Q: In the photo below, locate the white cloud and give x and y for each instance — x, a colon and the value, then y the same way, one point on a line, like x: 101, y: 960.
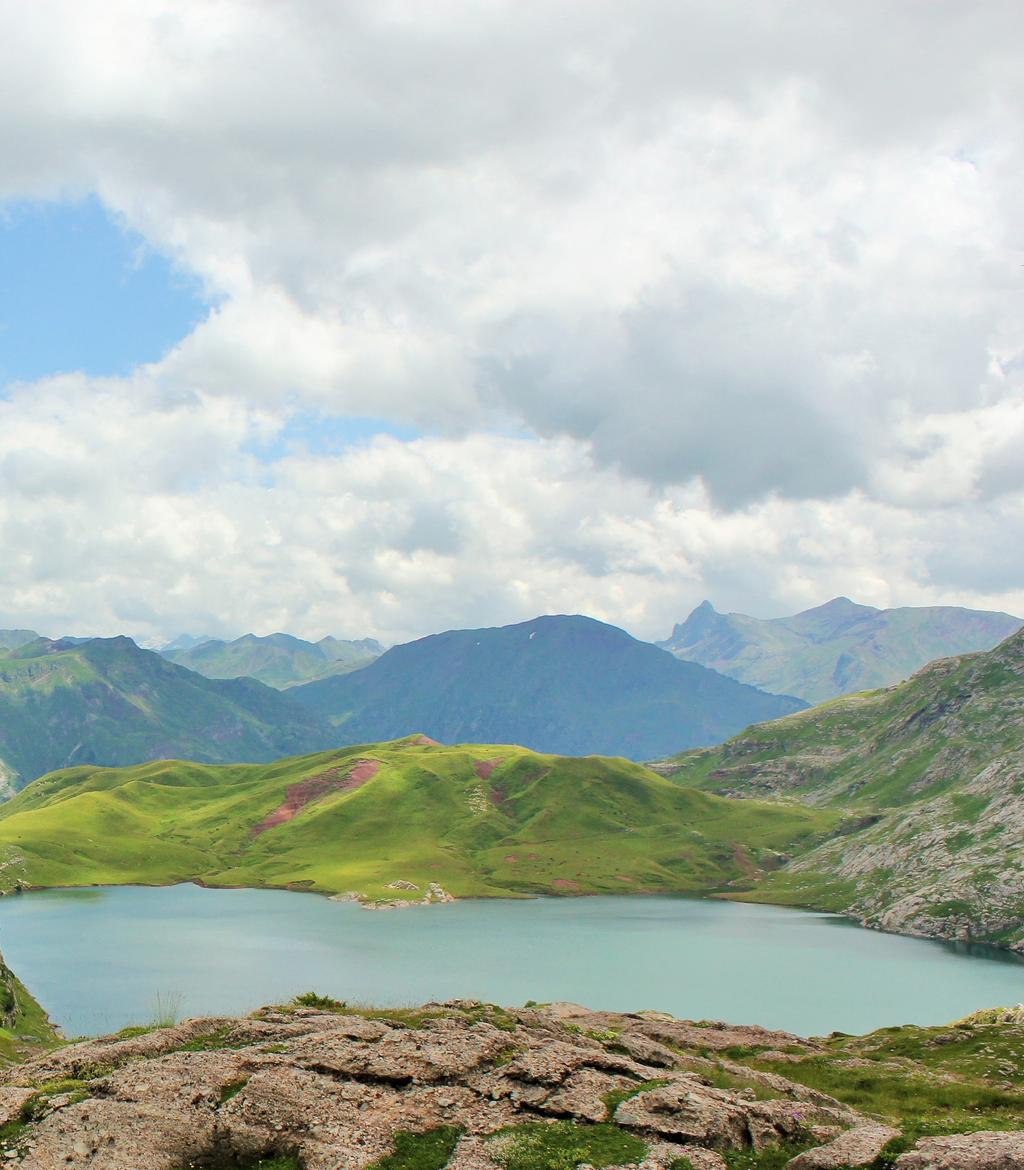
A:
x: 744, y: 282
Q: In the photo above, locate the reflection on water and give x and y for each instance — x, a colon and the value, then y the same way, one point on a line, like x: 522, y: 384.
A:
x: 82, y: 894
x: 99, y: 958
x: 971, y: 950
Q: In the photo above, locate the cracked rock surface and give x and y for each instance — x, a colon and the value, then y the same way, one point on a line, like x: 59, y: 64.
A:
x: 333, y: 1088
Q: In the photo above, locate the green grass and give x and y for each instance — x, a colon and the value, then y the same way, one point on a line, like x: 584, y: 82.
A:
x: 232, y: 1090
x: 428, y: 1150
x: 27, y: 1028
x: 768, y: 1158
x: 563, y: 1145
x: 538, y: 824
x: 615, y: 1098
x: 952, y: 1079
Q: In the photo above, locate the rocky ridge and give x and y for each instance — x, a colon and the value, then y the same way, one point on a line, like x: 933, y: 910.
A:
x: 322, y: 1087
x: 930, y: 774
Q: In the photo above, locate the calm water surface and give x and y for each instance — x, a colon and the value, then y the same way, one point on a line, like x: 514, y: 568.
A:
x: 97, y: 959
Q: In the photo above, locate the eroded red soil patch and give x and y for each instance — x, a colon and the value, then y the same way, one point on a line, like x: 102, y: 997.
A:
x: 484, y: 768
x: 565, y: 884
x: 512, y: 857
x: 745, y: 863
x: 425, y: 741
x: 297, y: 796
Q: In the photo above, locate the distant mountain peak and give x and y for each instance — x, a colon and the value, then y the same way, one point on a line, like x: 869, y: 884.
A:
x: 840, y: 606
x: 835, y: 648
x: 279, y: 660
x: 560, y: 683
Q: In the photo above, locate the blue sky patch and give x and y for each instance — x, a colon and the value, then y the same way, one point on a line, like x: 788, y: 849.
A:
x: 326, y: 434
x: 79, y: 291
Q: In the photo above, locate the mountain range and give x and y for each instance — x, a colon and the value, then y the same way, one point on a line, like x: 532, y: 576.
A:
x: 107, y: 701
x: 929, y: 777
x: 279, y: 660
x: 568, y: 685
x: 836, y: 648
x: 902, y: 806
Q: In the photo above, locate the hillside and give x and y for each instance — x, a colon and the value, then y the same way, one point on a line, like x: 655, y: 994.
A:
x: 568, y: 685
x: 279, y: 660
x: 12, y: 639
x: 835, y: 649
x: 931, y: 776
x: 107, y: 701
x: 477, y: 820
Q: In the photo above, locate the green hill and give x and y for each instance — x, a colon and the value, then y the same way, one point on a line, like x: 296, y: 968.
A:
x: 568, y: 685
x: 279, y: 660
x: 484, y: 820
x: 835, y: 649
x: 105, y: 701
x: 930, y: 775
x: 12, y: 639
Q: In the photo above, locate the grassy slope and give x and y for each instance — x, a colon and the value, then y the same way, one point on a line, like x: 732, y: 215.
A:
x: 24, y: 1026
x: 929, y: 777
x: 882, y: 748
x: 539, y: 823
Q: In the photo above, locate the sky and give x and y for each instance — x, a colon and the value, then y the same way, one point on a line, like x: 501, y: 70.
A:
x: 380, y: 319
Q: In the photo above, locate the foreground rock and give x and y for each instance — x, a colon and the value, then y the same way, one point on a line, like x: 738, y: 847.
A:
x: 966, y: 1151
x: 857, y: 1147
x: 471, y: 1086
x: 331, y: 1088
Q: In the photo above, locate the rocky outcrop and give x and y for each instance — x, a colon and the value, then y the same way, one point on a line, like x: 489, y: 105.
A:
x: 434, y: 895
x: 335, y: 1087
x: 859, y: 1146
x: 966, y: 1151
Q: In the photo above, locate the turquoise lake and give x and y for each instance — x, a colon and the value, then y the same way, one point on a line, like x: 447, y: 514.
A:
x: 98, y: 959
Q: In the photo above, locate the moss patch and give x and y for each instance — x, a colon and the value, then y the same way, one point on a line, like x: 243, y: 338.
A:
x: 563, y: 1145
x: 429, y: 1150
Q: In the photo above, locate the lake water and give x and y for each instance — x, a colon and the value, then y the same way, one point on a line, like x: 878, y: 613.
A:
x: 98, y: 959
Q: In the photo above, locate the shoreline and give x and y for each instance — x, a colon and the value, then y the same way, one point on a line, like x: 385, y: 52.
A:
x: 983, y: 947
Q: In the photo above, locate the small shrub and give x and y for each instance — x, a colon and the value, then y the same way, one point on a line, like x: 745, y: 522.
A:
x: 324, y: 1002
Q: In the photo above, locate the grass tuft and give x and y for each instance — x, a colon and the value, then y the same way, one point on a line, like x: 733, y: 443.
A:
x: 563, y: 1145
x: 428, y: 1150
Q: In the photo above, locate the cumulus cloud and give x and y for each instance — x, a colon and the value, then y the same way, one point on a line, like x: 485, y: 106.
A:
x: 697, y: 297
